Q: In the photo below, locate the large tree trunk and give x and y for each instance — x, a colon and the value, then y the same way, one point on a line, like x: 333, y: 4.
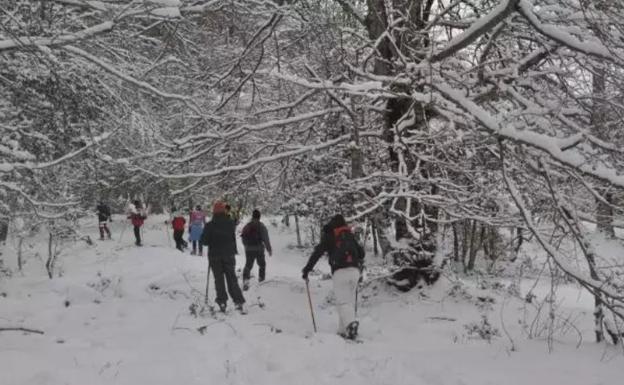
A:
x: 416, y: 262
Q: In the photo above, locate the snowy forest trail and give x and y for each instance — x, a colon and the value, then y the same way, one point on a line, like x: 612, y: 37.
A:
x: 120, y: 314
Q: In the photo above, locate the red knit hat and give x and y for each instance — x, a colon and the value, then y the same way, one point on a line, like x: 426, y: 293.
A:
x: 218, y: 207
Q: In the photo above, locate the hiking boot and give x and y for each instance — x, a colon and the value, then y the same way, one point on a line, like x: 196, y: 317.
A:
x: 245, y: 284
x: 241, y: 308
x: 222, y: 307
x: 352, y: 330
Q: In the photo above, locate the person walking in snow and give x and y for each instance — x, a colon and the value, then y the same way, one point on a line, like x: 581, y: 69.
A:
x: 255, y: 238
x: 219, y: 236
x: 346, y: 259
x: 178, y: 223
x: 196, y: 227
x: 137, y: 217
x: 104, y: 216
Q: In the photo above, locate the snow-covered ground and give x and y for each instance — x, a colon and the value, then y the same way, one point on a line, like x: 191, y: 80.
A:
x: 119, y: 314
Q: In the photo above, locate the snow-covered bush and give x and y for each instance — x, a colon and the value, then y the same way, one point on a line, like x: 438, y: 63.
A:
x: 482, y: 329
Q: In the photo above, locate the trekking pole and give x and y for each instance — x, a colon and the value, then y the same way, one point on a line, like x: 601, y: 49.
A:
x: 310, y: 303
x: 207, y: 283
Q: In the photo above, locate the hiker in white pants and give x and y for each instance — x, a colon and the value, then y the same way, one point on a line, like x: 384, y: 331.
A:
x: 345, y: 283
x: 346, y: 259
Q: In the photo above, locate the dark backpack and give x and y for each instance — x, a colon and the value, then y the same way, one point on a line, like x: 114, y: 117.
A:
x: 347, y: 251
x: 251, y: 234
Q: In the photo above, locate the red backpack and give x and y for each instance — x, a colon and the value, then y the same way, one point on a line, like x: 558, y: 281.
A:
x: 251, y: 234
x: 346, y: 252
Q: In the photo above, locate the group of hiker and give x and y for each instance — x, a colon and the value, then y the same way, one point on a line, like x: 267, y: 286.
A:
x: 219, y: 236
x: 135, y: 212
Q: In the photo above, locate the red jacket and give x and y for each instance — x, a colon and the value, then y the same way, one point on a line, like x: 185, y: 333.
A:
x: 137, y: 219
x: 178, y: 223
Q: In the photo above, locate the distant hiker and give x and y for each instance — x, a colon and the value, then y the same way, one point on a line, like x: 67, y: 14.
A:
x: 137, y: 217
x: 196, y: 227
x: 178, y: 223
x: 104, y: 215
x: 346, y: 259
x: 220, y: 238
x: 255, y: 239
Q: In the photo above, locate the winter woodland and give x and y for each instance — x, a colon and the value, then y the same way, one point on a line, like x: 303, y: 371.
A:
x: 476, y: 146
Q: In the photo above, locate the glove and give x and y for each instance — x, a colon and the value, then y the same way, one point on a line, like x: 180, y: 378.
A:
x: 304, y: 274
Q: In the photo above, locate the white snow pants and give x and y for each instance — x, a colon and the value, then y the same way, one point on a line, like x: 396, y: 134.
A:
x: 345, y: 284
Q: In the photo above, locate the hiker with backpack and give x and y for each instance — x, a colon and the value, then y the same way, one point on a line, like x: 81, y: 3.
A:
x: 196, y: 227
x: 346, y: 259
x: 255, y: 238
x: 219, y: 235
x: 104, y: 215
x: 178, y: 223
x: 137, y: 216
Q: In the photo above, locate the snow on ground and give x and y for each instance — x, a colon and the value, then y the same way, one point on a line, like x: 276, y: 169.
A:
x: 120, y: 315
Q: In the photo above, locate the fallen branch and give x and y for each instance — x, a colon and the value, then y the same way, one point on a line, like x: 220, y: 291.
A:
x: 21, y: 329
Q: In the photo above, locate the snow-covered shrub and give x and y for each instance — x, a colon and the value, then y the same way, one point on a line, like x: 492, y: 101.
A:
x: 483, y: 329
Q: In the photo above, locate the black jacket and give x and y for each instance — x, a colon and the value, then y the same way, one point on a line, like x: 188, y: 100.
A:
x: 103, y: 212
x: 328, y: 245
x: 219, y: 236
x: 264, y: 237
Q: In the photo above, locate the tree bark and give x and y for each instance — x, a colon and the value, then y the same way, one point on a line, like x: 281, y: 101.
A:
x: 20, y: 262
x: 297, y: 229
x: 51, y: 257
x: 404, y: 34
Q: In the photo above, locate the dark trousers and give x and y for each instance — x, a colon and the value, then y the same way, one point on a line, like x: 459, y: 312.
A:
x: 104, y: 230
x: 137, y: 234
x: 195, y: 244
x: 178, y: 238
x: 251, y: 256
x: 223, y: 272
